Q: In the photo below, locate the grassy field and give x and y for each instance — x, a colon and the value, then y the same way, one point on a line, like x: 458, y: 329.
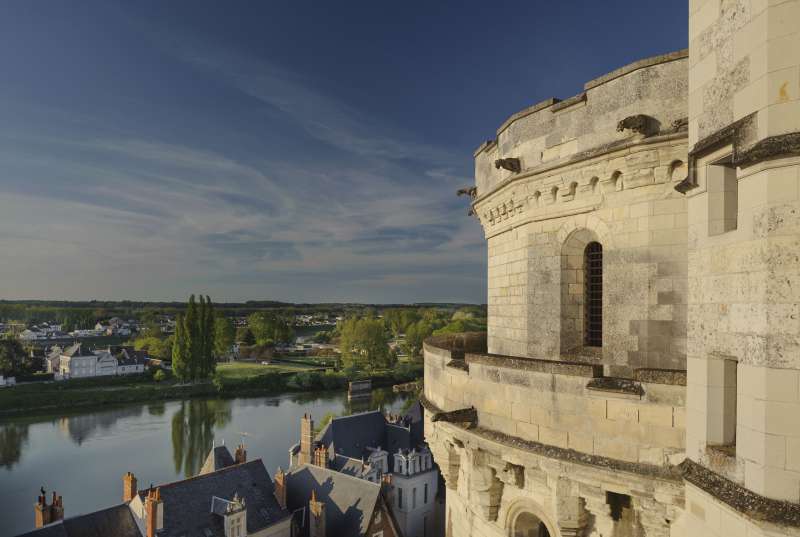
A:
x: 242, y: 370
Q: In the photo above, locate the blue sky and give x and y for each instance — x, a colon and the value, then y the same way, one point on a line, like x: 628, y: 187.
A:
x: 299, y: 151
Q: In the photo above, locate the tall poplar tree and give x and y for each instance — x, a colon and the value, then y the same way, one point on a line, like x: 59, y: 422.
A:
x: 180, y: 364
x: 192, y: 335
x: 210, y: 333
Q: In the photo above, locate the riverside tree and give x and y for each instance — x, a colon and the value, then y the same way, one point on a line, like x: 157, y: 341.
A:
x: 364, y: 344
x: 193, y: 356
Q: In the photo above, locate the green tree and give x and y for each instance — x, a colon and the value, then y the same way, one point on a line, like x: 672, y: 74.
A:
x: 13, y: 360
x: 363, y: 344
x: 224, y: 335
x: 192, y: 334
x: 415, y: 336
x: 245, y: 335
x: 208, y: 337
x: 155, y: 346
x: 180, y: 354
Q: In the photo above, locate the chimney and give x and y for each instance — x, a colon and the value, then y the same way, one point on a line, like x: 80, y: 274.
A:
x: 306, y: 439
x: 128, y: 487
x: 316, y: 517
x: 154, y: 511
x: 56, y: 508
x: 280, y: 487
x: 45, y: 514
x: 321, y: 456
x: 41, y: 511
x: 241, y: 454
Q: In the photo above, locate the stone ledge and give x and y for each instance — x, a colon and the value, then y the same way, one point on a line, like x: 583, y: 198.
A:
x: 741, y: 499
x: 673, y: 377
x: 566, y: 103
x: 457, y: 363
x: 556, y: 367
x: 616, y: 385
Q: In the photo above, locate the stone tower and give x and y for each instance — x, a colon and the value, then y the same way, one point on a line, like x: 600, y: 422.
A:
x: 743, y: 350
x: 316, y: 517
x: 306, y: 440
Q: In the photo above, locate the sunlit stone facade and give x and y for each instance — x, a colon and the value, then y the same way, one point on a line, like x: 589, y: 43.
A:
x: 641, y: 371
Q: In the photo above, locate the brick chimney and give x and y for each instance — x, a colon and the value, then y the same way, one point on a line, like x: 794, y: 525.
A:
x: 280, y: 487
x: 306, y: 439
x: 129, y: 489
x: 154, y: 512
x: 45, y: 513
x: 316, y: 517
x: 321, y: 456
x: 240, y: 455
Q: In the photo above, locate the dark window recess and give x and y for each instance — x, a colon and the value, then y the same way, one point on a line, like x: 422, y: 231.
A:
x: 593, y: 306
x: 617, y: 503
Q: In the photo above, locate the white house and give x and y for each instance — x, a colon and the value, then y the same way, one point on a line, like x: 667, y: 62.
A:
x: 53, y: 358
x: 77, y: 363
x: 131, y: 361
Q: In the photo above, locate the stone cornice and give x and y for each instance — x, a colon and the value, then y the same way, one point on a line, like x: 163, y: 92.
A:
x: 741, y: 499
x: 598, y: 153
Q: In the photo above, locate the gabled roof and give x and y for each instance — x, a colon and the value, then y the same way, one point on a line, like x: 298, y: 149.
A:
x: 352, y: 435
x: 349, y: 501
x: 187, y: 503
x: 218, y: 458
x: 117, y: 521
x: 75, y: 350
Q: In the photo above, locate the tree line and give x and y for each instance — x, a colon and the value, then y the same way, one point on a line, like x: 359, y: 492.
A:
x: 193, y: 348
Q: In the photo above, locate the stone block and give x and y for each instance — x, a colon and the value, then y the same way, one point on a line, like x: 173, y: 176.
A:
x: 622, y: 410
x: 656, y: 415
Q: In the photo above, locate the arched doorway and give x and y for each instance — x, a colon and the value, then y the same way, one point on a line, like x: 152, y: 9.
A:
x: 528, y: 525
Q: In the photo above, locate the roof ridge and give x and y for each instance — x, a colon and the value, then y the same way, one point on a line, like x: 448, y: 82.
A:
x: 347, y: 476
x: 215, y: 472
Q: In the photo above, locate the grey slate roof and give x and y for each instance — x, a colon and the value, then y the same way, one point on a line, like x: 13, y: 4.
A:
x: 187, y: 503
x: 352, y: 435
x: 117, y: 521
x: 349, y: 501
x: 75, y: 350
x: 218, y: 458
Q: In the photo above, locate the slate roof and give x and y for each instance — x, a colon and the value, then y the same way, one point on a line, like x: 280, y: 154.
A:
x: 117, y: 521
x: 75, y: 350
x: 349, y: 501
x: 187, y: 503
x: 346, y: 465
x: 352, y: 435
x: 218, y: 458
x: 129, y: 356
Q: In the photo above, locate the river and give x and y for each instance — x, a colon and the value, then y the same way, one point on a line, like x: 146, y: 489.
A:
x: 83, y: 455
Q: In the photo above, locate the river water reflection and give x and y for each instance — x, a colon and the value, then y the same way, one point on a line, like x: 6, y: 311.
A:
x: 84, y: 455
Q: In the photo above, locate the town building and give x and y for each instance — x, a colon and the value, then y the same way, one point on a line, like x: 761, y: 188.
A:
x: 236, y: 499
x: 131, y: 361
x: 384, y: 450
x: 76, y: 361
x: 232, y: 497
x: 640, y: 371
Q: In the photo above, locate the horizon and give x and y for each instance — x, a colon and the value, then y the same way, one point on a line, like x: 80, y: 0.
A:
x: 309, y: 153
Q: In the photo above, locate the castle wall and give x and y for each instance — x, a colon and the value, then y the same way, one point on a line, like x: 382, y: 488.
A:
x: 612, y: 186
x: 743, y: 347
x: 546, y: 443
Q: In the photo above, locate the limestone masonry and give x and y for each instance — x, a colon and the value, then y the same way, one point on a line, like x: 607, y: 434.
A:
x: 641, y: 371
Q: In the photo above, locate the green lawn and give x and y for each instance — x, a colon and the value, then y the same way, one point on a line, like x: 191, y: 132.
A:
x: 243, y: 370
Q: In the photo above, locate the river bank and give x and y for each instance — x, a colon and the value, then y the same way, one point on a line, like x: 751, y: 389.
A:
x: 98, y: 392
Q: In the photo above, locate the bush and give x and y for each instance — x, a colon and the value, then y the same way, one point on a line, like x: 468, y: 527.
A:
x: 160, y: 376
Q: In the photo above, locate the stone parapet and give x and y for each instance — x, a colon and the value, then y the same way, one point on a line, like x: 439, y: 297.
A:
x: 566, y: 405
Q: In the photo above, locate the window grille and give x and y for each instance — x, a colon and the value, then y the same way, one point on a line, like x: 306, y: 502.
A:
x: 593, y: 303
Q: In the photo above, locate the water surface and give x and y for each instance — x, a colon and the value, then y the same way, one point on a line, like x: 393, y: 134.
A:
x: 83, y: 455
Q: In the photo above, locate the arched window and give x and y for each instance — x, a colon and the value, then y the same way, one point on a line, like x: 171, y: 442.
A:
x: 528, y: 525
x: 593, y: 299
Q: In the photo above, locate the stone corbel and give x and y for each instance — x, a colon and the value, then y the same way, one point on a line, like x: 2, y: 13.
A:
x: 573, y: 518
x: 485, y: 487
